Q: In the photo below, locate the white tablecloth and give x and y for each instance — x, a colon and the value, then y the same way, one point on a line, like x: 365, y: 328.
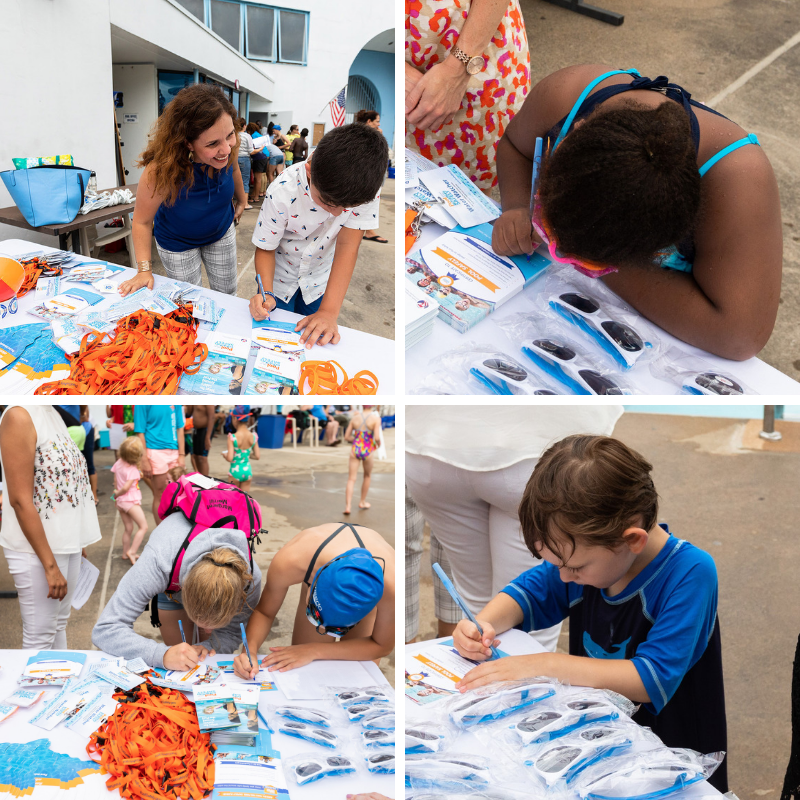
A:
x: 355, y: 351
x: 17, y: 729
x: 754, y: 373
x: 514, y: 643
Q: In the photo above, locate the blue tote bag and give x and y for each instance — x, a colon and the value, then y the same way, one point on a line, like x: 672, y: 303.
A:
x: 47, y: 195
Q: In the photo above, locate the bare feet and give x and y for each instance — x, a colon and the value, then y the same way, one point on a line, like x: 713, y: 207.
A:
x: 347, y: 511
x: 364, y: 505
x: 124, y: 557
x: 133, y: 557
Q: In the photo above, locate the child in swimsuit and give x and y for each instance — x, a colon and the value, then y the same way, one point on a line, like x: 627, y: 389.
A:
x: 364, y: 431
x: 674, y: 205
x: 242, y: 446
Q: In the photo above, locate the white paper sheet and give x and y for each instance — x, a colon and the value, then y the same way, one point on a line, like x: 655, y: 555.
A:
x: 87, y: 578
x: 311, y: 682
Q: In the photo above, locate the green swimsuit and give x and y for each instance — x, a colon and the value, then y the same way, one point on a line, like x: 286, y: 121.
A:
x: 240, y: 466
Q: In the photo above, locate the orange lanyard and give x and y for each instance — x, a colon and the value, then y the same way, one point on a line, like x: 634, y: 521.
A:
x: 320, y: 377
x: 151, y: 746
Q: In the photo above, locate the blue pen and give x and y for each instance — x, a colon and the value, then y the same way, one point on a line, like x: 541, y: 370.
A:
x: 183, y: 635
x: 266, y: 724
x: 244, y: 642
x: 448, y: 584
x: 537, y: 163
x: 261, y: 288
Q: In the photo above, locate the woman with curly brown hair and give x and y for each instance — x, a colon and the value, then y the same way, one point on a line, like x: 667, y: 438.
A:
x: 190, y: 192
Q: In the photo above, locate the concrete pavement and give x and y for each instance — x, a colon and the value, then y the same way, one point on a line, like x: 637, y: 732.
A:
x: 295, y: 488
x: 740, y: 505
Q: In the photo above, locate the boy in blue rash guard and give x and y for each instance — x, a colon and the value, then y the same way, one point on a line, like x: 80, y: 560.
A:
x: 641, y: 603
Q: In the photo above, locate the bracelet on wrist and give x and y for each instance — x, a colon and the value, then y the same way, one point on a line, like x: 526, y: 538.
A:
x: 144, y: 266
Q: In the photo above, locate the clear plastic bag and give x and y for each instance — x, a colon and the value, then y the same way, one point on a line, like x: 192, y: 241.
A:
x: 306, y: 768
x: 497, y: 700
x: 554, y: 350
x: 693, y: 375
x: 379, y: 719
x: 568, y: 712
x: 448, y: 772
x: 478, y: 369
x: 621, y: 334
x: 374, y: 695
x: 556, y: 765
x: 426, y: 737
x: 648, y: 775
x: 311, y: 716
x: 377, y: 739
x: 310, y: 733
x: 380, y: 763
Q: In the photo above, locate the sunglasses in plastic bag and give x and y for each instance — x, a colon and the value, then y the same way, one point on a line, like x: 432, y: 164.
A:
x: 480, y: 707
x: 505, y: 376
x: 314, y: 769
x: 300, y: 730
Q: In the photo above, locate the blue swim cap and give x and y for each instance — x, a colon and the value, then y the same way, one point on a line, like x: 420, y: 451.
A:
x: 347, y: 588
x: 241, y: 412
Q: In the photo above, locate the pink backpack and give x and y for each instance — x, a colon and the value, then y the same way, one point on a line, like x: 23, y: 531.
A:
x: 223, y: 506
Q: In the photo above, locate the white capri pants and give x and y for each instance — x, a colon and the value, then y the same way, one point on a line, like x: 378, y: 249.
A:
x: 44, y: 620
x: 474, y: 517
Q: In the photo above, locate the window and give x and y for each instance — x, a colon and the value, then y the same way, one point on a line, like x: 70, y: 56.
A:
x: 195, y: 7
x: 260, y: 32
x: 226, y: 21
x: 292, y: 37
x: 169, y: 84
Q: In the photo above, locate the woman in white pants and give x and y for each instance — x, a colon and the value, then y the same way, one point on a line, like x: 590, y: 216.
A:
x: 48, y: 518
x: 466, y: 468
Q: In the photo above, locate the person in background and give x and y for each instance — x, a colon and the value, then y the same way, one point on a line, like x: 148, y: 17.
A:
x: 332, y: 428
x: 161, y: 430
x: 242, y: 446
x: 190, y: 193
x: 128, y: 496
x: 49, y: 517
x: 120, y: 425
x: 294, y: 133
x: 248, y: 149
x: 373, y: 120
x: 203, y: 418
x: 299, y: 148
x: 88, y: 450
x: 259, y: 162
x: 467, y: 73
x: 364, y: 432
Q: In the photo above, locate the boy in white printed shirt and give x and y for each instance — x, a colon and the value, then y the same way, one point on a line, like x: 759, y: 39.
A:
x: 311, y: 225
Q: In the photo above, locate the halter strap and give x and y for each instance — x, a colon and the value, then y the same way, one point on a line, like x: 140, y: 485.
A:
x: 751, y: 138
x: 344, y: 525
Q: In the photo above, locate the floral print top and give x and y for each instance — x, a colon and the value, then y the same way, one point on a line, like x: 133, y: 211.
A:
x: 492, y: 97
x: 61, y: 491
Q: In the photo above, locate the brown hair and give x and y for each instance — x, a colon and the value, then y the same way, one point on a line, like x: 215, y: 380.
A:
x: 587, y: 487
x: 215, y: 590
x: 252, y: 128
x: 366, y: 115
x: 624, y: 185
x: 194, y: 110
x: 131, y: 450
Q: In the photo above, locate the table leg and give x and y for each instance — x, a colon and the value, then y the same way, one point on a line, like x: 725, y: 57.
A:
x: 63, y: 241
x: 8, y: 595
x: 76, y: 242
x: 580, y: 7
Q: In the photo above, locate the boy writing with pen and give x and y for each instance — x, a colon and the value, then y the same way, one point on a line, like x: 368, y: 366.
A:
x: 641, y: 603
x: 310, y: 229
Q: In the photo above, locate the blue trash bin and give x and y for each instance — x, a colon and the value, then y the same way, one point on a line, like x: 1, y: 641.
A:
x: 270, y: 431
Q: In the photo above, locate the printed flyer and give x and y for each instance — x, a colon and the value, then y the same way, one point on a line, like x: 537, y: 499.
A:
x: 51, y: 668
x: 278, y: 336
x: 467, y: 278
x: 274, y: 373
x: 223, y: 371
x: 432, y: 674
x: 216, y: 709
x: 465, y: 203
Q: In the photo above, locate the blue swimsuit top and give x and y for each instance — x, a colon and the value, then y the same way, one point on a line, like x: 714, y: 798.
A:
x: 201, y: 215
x: 681, y: 256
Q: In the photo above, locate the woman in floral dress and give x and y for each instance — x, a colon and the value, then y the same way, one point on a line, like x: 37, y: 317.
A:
x: 453, y: 116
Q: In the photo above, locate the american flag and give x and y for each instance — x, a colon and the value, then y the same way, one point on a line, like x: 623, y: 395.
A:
x: 337, y: 108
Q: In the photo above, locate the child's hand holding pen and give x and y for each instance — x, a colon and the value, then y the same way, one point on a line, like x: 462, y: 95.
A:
x: 263, y: 303
x: 469, y: 642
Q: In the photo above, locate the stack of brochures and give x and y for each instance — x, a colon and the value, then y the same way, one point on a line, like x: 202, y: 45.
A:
x: 50, y: 668
x: 215, y: 706
x: 279, y: 357
x: 466, y: 277
x: 245, y: 699
x: 421, y: 311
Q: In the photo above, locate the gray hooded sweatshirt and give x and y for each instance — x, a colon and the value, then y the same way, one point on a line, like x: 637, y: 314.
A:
x: 150, y: 575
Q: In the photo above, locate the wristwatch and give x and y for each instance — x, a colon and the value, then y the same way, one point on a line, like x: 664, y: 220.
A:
x: 473, y: 64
